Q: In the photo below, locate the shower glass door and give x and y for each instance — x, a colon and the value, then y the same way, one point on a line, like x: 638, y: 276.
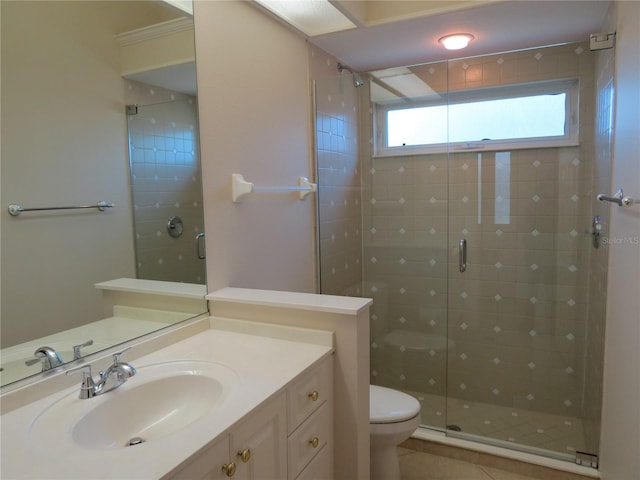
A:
x: 519, y: 207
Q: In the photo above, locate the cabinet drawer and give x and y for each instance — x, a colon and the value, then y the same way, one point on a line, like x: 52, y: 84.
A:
x: 320, y: 468
x: 309, y: 392
x: 313, y: 436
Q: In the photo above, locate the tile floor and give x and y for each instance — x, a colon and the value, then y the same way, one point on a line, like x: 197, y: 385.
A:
x: 558, y: 433
x: 425, y: 466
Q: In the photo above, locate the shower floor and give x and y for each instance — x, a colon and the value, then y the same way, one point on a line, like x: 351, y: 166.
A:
x: 557, y: 433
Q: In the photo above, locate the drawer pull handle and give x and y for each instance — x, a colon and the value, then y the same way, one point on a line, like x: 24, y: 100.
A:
x: 229, y: 469
x: 245, y: 455
x: 314, y: 395
x: 314, y: 442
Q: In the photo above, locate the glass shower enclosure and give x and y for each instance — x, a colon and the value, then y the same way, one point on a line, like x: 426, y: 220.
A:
x: 458, y: 195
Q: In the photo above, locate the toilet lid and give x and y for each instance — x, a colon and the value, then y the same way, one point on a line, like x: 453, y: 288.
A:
x: 391, y: 406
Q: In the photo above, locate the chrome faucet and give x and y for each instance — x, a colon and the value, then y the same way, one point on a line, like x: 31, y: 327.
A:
x: 112, y: 378
x: 47, y: 356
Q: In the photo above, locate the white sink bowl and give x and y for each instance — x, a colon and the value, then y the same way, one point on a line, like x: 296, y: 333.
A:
x: 159, y: 400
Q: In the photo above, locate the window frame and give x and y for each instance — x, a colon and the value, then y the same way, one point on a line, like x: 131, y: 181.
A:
x: 568, y: 86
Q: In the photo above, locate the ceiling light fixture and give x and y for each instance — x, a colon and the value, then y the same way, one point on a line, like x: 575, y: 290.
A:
x: 456, y: 41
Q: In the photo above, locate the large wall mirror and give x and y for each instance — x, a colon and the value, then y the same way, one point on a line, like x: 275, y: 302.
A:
x: 98, y: 105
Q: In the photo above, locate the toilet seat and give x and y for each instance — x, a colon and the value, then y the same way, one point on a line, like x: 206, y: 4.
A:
x: 391, y: 406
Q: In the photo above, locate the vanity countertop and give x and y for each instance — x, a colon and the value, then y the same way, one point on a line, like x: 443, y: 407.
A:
x: 265, y: 357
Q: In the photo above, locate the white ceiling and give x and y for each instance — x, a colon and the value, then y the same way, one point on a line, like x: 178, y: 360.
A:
x: 497, y: 27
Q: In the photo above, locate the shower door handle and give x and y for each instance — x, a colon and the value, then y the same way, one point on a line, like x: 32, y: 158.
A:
x: 462, y: 255
x: 199, y: 239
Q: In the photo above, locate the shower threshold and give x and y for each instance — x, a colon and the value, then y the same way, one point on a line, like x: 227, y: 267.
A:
x: 557, y: 436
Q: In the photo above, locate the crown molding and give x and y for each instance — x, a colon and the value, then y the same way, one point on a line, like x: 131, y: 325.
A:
x: 154, y: 31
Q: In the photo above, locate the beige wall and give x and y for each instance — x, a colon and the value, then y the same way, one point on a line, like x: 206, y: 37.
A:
x: 254, y: 108
x: 620, y: 459
x: 64, y: 143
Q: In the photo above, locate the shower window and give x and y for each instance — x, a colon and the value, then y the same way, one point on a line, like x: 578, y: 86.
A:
x: 534, y: 115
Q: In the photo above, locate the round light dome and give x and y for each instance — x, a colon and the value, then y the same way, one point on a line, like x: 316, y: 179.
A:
x: 456, y: 41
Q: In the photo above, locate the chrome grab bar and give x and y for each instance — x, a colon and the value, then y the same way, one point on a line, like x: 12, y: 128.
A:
x: 462, y: 255
x: 617, y: 197
x: 15, y: 209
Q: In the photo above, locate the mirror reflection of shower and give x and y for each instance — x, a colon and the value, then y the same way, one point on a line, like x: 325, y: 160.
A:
x: 166, y: 189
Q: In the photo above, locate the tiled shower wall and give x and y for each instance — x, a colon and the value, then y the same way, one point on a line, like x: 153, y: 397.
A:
x: 166, y: 181
x: 517, y: 319
x: 338, y: 177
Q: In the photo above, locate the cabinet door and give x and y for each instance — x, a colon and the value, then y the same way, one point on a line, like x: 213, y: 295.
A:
x: 206, y: 465
x: 259, y: 444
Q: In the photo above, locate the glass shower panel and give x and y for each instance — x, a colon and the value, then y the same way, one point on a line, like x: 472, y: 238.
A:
x: 339, y: 186
x: 516, y: 373
x: 405, y: 223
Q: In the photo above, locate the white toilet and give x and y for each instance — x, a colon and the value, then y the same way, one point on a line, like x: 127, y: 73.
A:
x: 393, y: 417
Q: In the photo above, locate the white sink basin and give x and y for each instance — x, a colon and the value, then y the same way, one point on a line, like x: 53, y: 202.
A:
x: 159, y: 400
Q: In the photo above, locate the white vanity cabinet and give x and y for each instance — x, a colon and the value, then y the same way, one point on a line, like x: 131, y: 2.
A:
x: 289, y: 436
x: 256, y: 448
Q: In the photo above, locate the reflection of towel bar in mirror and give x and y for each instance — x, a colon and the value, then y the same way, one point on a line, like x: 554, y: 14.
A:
x: 240, y: 187
x: 617, y: 197
x: 16, y: 210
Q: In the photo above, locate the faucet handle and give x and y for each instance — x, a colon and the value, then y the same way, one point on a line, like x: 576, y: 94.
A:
x: 116, y: 356
x: 87, y: 388
x: 76, y: 349
x: 39, y: 357
x: 84, y: 369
